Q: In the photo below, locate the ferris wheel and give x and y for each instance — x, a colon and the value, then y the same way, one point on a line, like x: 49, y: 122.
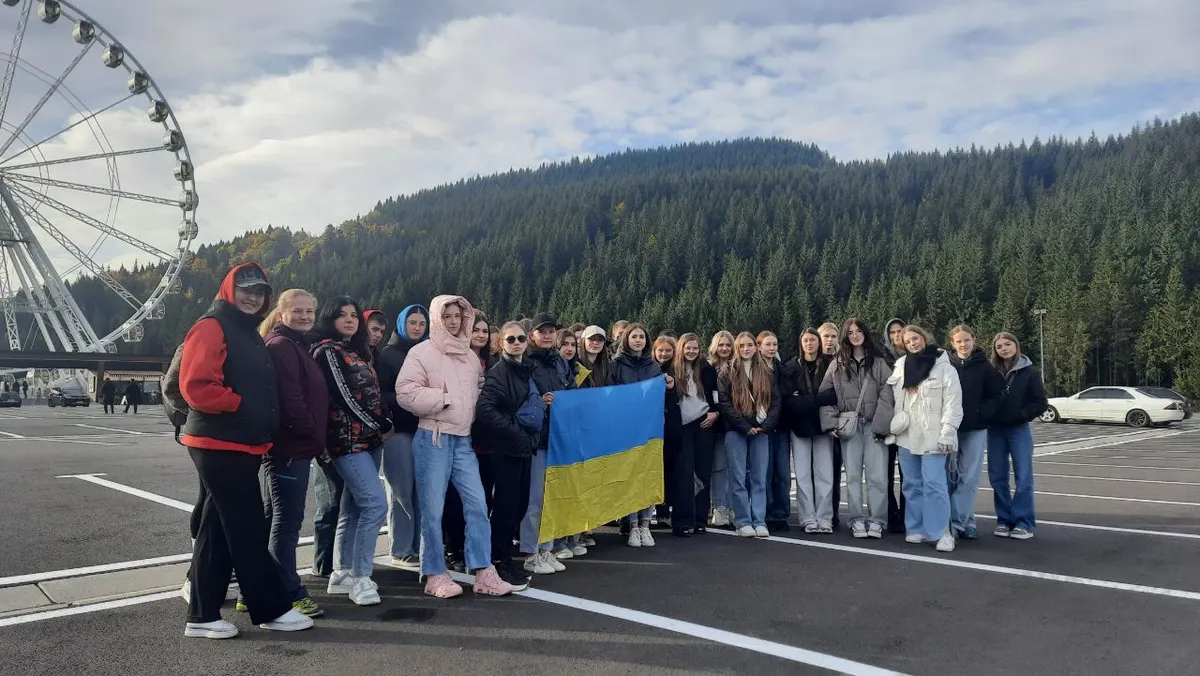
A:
x: 90, y: 181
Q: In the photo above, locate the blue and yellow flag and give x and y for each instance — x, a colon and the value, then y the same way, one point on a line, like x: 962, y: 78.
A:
x: 605, y: 457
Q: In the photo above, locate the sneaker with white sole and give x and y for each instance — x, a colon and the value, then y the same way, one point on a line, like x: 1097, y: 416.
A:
x: 534, y: 564
x: 875, y: 530
x: 746, y: 532
x: 647, y: 538
x: 364, y: 592
x: 563, y: 554
x: 720, y: 517
x: 1019, y: 533
x: 946, y: 542
x: 635, y: 537
x: 551, y: 559
x: 587, y: 540
x: 408, y: 562
x: 914, y: 538
x: 811, y: 528
x: 185, y: 592
x: 340, y: 582
x: 1001, y: 531
x: 219, y: 629
x: 233, y: 591
x: 859, y: 529
x: 825, y: 528
x: 579, y: 550
x: 292, y: 620
x: 761, y: 532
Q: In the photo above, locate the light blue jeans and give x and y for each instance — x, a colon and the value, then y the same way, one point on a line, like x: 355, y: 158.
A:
x: 927, y: 511
x: 964, y: 467
x: 403, y: 515
x: 531, y: 524
x: 363, y: 511
x: 451, y: 459
x: 753, y: 454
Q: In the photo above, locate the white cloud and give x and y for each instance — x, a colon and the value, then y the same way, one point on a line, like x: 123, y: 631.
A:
x: 476, y: 87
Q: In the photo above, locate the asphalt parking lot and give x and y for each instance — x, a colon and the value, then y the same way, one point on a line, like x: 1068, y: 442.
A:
x: 90, y: 566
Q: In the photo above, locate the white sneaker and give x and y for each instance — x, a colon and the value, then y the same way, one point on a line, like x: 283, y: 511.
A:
x: 579, y: 550
x: 587, y: 540
x: 292, y: 620
x: 946, y: 542
x: 185, y: 592
x: 915, y: 538
x: 553, y: 562
x: 340, y: 582
x: 564, y: 553
x: 761, y: 532
x: 747, y: 532
x: 720, y: 517
x: 233, y: 591
x: 218, y: 630
x: 364, y: 592
x: 534, y: 564
x: 635, y: 537
x: 647, y: 538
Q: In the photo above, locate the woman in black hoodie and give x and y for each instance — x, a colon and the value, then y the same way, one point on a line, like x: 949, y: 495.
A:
x: 812, y: 448
x: 982, y: 389
x: 634, y: 364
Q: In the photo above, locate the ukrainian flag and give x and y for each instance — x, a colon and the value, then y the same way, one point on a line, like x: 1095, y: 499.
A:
x: 605, y: 457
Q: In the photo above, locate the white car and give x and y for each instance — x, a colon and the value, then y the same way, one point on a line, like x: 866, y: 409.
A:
x: 1134, y: 406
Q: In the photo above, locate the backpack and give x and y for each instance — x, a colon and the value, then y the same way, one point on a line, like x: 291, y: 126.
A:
x: 175, y: 406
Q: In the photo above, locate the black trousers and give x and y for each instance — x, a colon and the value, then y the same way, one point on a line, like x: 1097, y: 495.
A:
x: 233, y: 536
x: 690, y: 507
x: 128, y: 404
x: 506, y: 486
x: 454, y: 524
x: 837, y: 480
x: 110, y: 405
x: 895, y: 507
x: 327, y: 489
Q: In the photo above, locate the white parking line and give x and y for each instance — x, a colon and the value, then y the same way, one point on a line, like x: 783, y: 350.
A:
x: 145, y: 495
x: 11, y: 435
x: 1109, y: 498
x: 1109, y: 529
x: 1116, y: 441
x: 1100, y: 464
x: 106, y: 429
x: 1110, y: 478
x: 986, y: 567
x: 90, y: 608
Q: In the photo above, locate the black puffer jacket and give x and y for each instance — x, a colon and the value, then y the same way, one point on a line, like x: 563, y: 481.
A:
x: 1024, y: 396
x: 505, y: 390
x: 628, y: 369
x: 734, y: 420
x: 802, y: 401
x: 551, y: 373
x: 982, y: 389
x: 387, y: 365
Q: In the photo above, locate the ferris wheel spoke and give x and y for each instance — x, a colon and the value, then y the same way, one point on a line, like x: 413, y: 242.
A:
x: 65, y: 242
x: 86, y: 118
x: 83, y: 158
x: 14, y: 56
x: 45, y: 97
x: 94, y: 189
x: 91, y: 221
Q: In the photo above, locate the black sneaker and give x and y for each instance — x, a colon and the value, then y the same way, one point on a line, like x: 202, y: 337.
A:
x: 700, y: 530
x: 456, y: 562
x: 681, y: 533
x: 778, y: 526
x: 513, y: 574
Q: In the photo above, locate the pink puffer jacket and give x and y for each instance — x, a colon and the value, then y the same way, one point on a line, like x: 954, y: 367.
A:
x: 439, y: 382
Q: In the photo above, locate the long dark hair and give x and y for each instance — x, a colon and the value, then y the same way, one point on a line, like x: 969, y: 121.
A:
x: 845, y: 356
x: 330, y: 313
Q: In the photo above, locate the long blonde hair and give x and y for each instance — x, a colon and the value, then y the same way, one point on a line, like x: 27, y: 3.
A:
x: 713, y: 359
x: 274, y: 317
x: 680, y: 367
x: 754, y: 391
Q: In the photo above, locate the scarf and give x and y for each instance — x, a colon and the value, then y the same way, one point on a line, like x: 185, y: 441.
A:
x: 918, y: 366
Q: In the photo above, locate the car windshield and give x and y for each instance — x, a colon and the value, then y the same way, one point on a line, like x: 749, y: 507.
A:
x: 1161, y: 393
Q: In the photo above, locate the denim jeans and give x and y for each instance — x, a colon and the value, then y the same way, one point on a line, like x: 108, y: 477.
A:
x: 813, y: 457
x: 286, y: 490
x: 927, y: 511
x: 748, y: 455
x: 779, y: 478
x: 964, y: 468
x: 363, y: 511
x: 327, y: 488
x: 531, y: 524
x: 1012, y: 510
x: 719, y: 486
x: 862, y: 453
x: 451, y: 459
x: 403, y: 515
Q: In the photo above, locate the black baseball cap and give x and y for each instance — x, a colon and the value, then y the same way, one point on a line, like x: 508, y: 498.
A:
x: 543, y: 318
x: 250, y: 276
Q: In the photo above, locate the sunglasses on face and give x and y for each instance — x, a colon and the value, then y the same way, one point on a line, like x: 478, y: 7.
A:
x: 515, y: 339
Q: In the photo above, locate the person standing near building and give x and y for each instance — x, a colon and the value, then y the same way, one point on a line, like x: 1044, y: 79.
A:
x: 108, y: 396
x: 133, y: 396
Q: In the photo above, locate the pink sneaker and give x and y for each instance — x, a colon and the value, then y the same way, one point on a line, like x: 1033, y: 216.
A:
x: 488, y: 582
x: 442, y: 586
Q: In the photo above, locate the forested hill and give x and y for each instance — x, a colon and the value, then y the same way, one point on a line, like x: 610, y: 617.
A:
x: 770, y: 234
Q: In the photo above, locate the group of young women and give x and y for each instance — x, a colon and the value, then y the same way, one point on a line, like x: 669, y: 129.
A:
x: 456, y: 414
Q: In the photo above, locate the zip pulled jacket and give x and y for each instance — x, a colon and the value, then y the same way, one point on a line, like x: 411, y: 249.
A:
x: 509, y: 416
x: 1024, y: 396
x: 802, y: 396
x: 982, y: 389
x: 356, y: 419
x: 303, y: 397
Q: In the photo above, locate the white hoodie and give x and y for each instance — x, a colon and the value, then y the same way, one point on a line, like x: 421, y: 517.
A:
x: 932, y: 415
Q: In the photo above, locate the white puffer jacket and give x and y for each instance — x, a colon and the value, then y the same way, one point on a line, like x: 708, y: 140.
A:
x: 932, y: 415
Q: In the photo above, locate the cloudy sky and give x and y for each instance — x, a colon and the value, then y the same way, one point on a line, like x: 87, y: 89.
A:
x: 306, y: 112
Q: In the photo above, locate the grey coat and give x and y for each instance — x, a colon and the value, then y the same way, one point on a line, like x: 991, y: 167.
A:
x: 877, y: 395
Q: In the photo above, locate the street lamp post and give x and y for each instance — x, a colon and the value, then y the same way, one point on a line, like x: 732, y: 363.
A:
x: 1040, y: 313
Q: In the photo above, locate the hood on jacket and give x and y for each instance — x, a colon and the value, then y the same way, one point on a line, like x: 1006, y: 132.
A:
x: 402, y: 321
x: 459, y: 343
x: 887, y: 339
x: 1023, y: 362
x: 227, y: 285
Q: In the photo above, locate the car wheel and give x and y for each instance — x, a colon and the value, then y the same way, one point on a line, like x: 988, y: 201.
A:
x: 1137, y: 418
x: 1051, y: 415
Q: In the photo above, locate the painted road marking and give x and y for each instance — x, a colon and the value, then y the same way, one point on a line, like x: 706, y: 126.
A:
x: 72, y: 440
x: 1177, y: 503
x: 1100, y: 464
x: 146, y: 495
x: 986, y: 567
x: 1110, y: 478
x: 106, y: 429
x: 1116, y: 441
x: 90, y: 608
x: 1109, y: 529
x: 10, y: 435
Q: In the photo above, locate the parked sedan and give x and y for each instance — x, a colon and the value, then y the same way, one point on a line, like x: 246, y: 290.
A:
x: 1167, y: 393
x: 8, y: 399
x: 67, y: 397
x: 1134, y: 406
